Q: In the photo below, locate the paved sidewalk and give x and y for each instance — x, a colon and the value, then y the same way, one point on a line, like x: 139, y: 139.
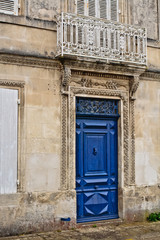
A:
x: 136, y: 231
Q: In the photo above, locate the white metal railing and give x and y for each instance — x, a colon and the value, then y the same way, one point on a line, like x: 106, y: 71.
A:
x: 91, y: 37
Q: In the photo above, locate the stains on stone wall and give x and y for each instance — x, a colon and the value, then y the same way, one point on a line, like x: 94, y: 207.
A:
x: 145, y: 14
x: 35, y: 212
x: 147, y: 118
x: 140, y: 202
x: 46, y: 10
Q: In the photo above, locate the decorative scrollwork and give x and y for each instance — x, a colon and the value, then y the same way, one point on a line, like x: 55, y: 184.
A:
x: 96, y: 106
x: 134, y: 83
x: 66, y: 77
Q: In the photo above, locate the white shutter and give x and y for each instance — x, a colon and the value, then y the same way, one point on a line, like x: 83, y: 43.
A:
x: 103, y: 8
x: 92, y: 8
x: 80, y: 7
x: 114, y: 10
x: 8, y: 140
x: 9, y: 6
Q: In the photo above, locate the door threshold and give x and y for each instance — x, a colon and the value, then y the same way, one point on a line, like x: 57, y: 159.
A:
x: 116, y: 221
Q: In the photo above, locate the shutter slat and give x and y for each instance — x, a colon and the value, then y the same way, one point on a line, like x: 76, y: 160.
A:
x: 114, y: 10
x: 8, y: 140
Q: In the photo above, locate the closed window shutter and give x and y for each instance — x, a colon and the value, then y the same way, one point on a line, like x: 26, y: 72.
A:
x: 9, y: 6
x: 103, y: 8
x: 92, y: 8
x: 8, y: 140
x: 114, y: 10
x: 107, y: 9
x: 80, y: 7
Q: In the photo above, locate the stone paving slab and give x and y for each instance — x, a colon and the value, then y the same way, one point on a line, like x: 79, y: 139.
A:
x: 136, y: 231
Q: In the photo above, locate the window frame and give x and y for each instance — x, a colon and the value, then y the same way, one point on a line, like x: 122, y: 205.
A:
x: 19, y: 86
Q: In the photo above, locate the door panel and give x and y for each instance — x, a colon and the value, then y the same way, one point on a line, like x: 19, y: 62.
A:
x: 94, y: 152
x: 96, y: 169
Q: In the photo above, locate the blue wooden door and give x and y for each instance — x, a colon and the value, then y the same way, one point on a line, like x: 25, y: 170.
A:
x: 96, y: 161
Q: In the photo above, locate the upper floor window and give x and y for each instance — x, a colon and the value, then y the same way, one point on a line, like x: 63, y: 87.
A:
x: 98, y: 8
x: 9, y: 7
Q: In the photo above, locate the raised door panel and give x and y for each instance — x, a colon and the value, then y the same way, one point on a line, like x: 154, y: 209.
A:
x: 94, y: 154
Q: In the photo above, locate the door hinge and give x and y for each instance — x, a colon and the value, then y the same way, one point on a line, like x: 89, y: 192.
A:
x: 17, y: 182
x: 18, y: 101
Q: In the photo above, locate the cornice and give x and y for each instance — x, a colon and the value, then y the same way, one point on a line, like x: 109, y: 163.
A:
x: 103, y: 67
x: 30, y: 61
x: 150, y: 76
x: 99, y: 74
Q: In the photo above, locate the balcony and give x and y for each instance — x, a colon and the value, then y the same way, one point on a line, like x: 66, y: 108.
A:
x: 101, y: 39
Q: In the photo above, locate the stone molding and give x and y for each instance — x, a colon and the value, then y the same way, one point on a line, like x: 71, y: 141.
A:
x: 150, y: 76
x: 102, y: 93
x: 12, y: 83
x: 85, y: 82
x: 91, y: 67
x: 30, y: 61
x: 102, y: 75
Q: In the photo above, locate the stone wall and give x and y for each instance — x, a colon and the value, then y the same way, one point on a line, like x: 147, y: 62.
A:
x: 147, y: 125
x: 39, y: 203
x: 145, y: 14
x: 29, y: 40
x: 139, y: 202
x: 36, y: 212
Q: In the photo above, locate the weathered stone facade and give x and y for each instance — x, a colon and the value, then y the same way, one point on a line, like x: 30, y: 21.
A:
x: 48, y: 87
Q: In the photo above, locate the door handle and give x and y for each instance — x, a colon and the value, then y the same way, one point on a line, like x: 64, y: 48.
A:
x: 96, y: 186
x: 94, y: 151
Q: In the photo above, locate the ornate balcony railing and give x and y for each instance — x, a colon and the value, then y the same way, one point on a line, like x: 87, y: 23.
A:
x: 79, y: 35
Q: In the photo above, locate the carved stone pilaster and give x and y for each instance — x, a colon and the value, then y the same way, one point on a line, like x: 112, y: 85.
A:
x: 132, y: 142
x: 134, y: 83
x: 64, y: 161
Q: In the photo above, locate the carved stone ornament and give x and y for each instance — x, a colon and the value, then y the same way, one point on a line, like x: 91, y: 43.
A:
x: 134, y: 83
x: 66, y: 76
x: 97, y: 106
x: 12, y: 83
x: 84, y: 82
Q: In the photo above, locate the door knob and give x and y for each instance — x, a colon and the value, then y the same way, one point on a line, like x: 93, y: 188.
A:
x: 94, y: 151
x: 96, y: 186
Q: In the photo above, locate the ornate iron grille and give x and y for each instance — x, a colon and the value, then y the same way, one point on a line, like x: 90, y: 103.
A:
x: 99, y: 107
x: 92, y: 37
